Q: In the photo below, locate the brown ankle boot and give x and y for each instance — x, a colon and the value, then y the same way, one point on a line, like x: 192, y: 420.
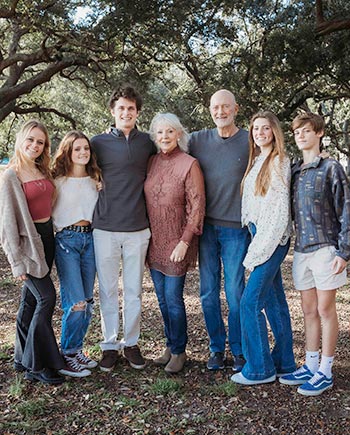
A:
x: 176, y: 363
x: 164, y: 358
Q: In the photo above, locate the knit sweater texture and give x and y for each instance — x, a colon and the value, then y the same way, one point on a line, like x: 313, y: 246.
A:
x: 269, y: 213
x: 175, y: 200
x: 223, y: 162
x: 121, y: 204
x: 18, y: 236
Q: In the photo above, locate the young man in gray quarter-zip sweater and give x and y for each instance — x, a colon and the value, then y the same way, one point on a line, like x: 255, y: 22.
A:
x: 120, y: 223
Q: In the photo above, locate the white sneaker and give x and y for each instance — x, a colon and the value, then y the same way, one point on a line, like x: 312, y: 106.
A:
x: 73, y: 368
x: 240, y: 379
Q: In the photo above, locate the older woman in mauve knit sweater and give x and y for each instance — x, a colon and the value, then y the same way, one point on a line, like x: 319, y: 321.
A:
x: 175, y: 199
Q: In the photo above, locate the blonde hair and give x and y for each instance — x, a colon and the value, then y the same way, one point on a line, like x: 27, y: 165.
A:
x: 173, y: 121
x: 263, y: 179
x: 19, y: 160
x: 62, y: 163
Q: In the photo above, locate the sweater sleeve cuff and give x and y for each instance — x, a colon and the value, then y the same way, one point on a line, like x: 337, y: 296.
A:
x: 18, y: 270
x: 342, y: 255
x: 187, y: 236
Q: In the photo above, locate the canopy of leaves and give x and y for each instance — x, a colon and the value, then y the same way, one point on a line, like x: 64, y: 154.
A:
x: 272, y: 54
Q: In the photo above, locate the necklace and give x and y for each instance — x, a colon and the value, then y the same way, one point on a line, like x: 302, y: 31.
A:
x: 34, y: 175
x: 40, y: 184
x: 33, y: 172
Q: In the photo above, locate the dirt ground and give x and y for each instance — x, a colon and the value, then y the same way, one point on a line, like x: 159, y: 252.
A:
x: 196, y: 401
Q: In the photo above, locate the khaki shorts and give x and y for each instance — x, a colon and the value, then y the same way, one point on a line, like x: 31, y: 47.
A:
x: 314, y: 269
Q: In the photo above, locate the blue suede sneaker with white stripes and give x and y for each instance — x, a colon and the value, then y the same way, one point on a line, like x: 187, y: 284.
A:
x: 300, y: 376
x: 316, y: 385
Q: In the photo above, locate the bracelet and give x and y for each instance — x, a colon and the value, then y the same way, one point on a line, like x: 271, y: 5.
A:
x: 187, y: 244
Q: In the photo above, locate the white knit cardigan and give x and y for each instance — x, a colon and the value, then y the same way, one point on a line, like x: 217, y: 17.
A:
x: 270, y: 214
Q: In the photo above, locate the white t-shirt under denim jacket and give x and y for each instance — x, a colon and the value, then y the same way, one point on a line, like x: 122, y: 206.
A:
x: 270, y: 213
x: 76, y: 200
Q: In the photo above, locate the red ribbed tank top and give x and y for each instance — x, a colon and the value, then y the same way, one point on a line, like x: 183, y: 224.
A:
x: 39, y: 195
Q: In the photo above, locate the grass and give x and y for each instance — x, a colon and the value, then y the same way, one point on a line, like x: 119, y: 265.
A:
x: 17, y: 386
x: 228, y: 389
x: 127, y: 402
x: 8, y: 281
x: 5, y: 352
x: 222, y: 389
x: 165, y: 387
x: 33, y: 408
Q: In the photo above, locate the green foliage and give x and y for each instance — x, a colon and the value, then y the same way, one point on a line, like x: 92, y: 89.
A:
x: 165, y: 386
x: 32, y: 408
x: 177, y: 53
x: 228, y: 389
x: 17, y: 386
x: 7, y: 282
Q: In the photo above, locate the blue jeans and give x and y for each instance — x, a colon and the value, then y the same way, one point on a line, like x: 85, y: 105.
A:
x: 229, y: 245
x: 75, y: 263
x: 264, y: 291
x: 169, y: 290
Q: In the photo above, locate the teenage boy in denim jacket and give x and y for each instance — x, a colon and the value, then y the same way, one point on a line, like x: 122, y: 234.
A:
x: 321, y: 209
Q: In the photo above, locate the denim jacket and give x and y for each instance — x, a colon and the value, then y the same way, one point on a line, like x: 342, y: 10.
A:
x: 321, y: 206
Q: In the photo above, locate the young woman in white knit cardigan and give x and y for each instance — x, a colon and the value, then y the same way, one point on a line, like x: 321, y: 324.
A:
x: 266, y: 212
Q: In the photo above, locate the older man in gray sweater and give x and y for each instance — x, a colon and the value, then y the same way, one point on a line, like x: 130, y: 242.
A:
x: 223, y: 155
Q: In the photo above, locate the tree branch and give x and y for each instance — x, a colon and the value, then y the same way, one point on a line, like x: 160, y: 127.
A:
x: 8, y: 13
x: 9, y: 93
x: 37, y: 109
x: 324, y: 27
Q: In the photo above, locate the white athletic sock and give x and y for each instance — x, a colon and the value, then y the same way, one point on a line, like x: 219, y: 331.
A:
x: 312, y: 360
x: 326, y: 365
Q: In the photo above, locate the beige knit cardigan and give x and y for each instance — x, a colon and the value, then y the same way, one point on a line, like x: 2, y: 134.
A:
x: 18, y: 236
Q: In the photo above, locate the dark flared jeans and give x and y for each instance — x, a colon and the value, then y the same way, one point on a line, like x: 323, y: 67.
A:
x: 36, y: 346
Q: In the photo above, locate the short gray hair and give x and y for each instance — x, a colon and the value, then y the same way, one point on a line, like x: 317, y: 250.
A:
x: 174, y: 122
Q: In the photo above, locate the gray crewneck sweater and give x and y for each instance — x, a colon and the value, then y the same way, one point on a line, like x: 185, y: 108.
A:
x: 223, y: 162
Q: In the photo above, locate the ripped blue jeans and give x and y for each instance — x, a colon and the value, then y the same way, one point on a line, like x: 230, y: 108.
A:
x: 75, y: 263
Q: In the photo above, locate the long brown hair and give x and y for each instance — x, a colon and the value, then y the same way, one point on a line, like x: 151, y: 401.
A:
x: 263, y: 179
x: 62, y: 164
x: 19, y: 160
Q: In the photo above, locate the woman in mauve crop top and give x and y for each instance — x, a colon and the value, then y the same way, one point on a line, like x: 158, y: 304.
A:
x: 28, y: 241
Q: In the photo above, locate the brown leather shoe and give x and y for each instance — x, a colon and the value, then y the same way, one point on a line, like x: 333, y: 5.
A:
x: 134, y: 356
x: 164, y: 358
x: 109, y: 359
x: 176, y: 363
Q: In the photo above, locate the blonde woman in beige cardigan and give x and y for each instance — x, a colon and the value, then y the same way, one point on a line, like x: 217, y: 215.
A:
x: 26, y: 235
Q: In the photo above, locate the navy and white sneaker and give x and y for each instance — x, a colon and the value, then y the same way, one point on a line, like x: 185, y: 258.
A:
x: 216, y: 361
x: 316, y: 385
x: 299, y: 377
